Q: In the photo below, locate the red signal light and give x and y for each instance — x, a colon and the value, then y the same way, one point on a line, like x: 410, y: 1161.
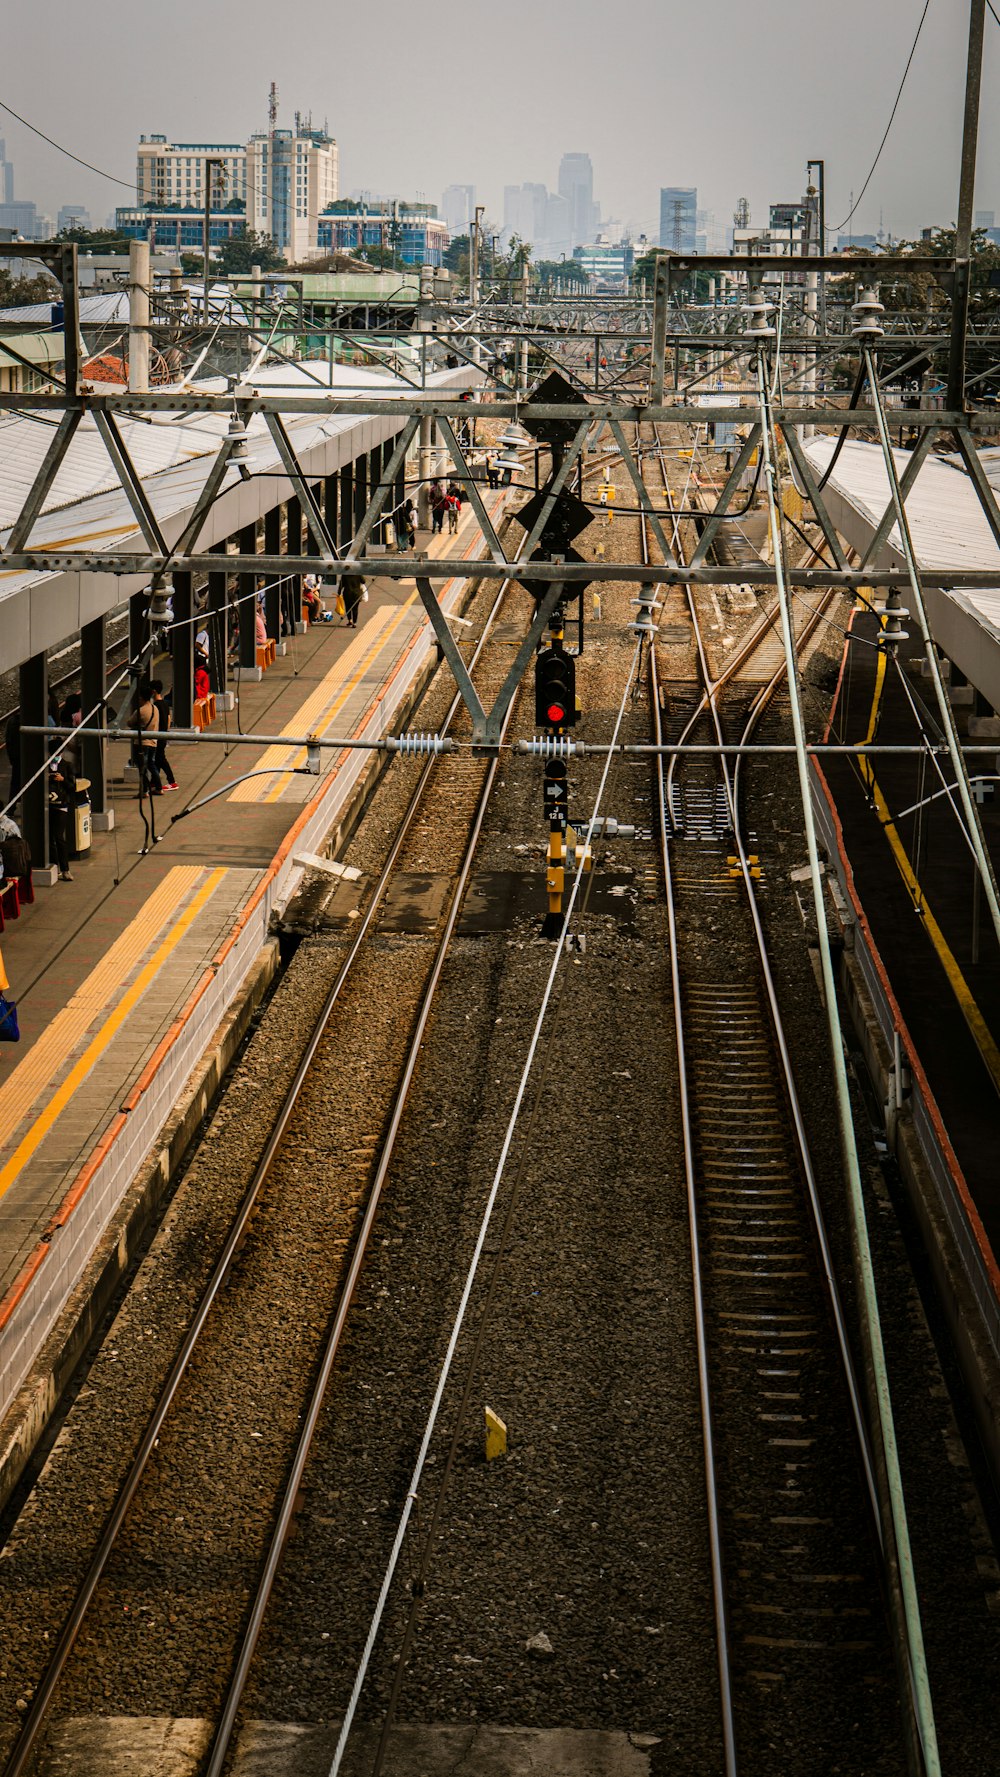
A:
x: 556, y: 714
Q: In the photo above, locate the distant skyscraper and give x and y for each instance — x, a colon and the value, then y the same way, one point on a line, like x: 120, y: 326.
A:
x: 524, y: 213
x: 984, y: 218
x: 458, y: 206
x: 72, y: 216
x: 6, y: 176
x: 576, y: 185
x: 678, y: 218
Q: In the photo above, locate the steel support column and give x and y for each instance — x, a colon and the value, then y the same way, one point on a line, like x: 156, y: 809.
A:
x: 218, y: 625
x: 247, y: 585
x: 93, y: 689
x: 33, y: 696
x: 138, y: 660
x: 272, y: 592
x: 181, y: 652
x: 291, y: 591
x: 966, y: 195
x: 360, y: 491
x: 330, y: 490
x: 346, y: 506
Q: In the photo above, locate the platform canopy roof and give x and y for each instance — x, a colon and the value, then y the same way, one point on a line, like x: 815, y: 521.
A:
x: 949, y: 530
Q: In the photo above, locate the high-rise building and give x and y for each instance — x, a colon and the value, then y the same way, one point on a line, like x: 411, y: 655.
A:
x: 458, y: 207
x: 558, y: 239
x: 678, y: 218
x: 524, y: 212
x: 291, y: 177
x: 21, y: 217
x: 171, y: 175
x: 72, y: 216
x: 6, y: 175
x: 576, y: 185
x: 984, y: 218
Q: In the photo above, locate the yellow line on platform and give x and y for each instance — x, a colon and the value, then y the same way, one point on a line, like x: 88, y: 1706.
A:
x: 318, y: 708
x: 980, y: 1031
x: 115, y: 1019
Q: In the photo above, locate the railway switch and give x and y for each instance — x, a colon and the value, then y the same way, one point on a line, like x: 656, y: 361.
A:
x: 753, y: 865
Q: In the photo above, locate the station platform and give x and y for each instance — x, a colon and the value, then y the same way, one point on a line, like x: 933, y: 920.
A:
x: 914, y: 879
x: 123, y: 977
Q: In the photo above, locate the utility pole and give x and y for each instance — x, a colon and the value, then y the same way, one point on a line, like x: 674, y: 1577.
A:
x: 138, y: 317
x: 428, y: 464
x: 206, y: 231
x: 812, y: 293
x: 966, y: 194
x: 474, y: 274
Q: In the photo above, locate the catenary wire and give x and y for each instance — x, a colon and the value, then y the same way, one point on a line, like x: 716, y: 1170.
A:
x: 832, y: 229
x: 129, y: 184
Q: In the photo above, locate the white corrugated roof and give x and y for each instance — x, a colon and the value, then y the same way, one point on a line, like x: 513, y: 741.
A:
x: 947, y: 523
x: 87, y: 506
x: 95, y: 311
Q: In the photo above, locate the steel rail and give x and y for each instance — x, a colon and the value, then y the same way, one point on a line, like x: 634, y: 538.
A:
x: 18, y: 1761
x: 730, y: 777
x: 227, y: 1720
x: 412, y: 1495
x: 908, y: 1640
x: 701, y: 1336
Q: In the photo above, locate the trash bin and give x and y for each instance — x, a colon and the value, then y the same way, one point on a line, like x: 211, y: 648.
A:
x: 81, y: 818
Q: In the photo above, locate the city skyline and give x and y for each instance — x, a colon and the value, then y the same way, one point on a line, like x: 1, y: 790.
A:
x: 637, y: 146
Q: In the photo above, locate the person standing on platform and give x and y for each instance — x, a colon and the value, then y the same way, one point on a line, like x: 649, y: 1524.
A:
x: 407, y: 524
x: 354, y: 591
x: 164, y: 721
x: 62, y: 784
x: 439, y: 502
x: 454, y: 506
x: 492, y: 472
x: 145, y: 722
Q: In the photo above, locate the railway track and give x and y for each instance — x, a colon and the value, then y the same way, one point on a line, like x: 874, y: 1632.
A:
x: 325, y: 1168
x: 802, y: 1631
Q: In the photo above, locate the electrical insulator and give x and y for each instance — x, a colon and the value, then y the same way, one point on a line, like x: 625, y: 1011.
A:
x: 866, y: 312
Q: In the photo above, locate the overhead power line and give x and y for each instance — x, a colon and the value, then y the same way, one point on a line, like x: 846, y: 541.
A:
x: 129, y: 184
x: 888, y: 127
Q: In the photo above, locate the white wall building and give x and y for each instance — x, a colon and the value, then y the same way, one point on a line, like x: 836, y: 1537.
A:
x: 290, y: 180
x: 172, y: 174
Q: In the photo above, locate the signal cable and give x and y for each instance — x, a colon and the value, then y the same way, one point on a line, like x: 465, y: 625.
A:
x: 838, y: 225
x: 129, y: 184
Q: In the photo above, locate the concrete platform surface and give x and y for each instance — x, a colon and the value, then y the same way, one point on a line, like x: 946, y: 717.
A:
x: 162, y: 1746
x: 122, y: 976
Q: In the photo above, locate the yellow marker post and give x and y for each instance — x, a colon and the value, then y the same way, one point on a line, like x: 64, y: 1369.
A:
x: 496, y: 1435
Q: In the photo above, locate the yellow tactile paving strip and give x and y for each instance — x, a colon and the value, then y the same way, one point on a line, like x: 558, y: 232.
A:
x: 179, y: 899
x: 316, y: 714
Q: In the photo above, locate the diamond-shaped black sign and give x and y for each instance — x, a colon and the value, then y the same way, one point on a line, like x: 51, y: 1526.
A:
x: 569, y: 516
x: 554, y: 391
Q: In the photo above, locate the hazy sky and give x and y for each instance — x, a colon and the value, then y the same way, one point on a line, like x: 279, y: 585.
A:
x: 728, y: 95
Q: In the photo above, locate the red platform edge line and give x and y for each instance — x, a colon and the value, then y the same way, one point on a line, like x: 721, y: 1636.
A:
x: 913, y: 1059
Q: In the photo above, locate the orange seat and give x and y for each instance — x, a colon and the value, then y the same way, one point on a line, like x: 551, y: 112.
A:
x: 267, y: 654
x: 203, y: 713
